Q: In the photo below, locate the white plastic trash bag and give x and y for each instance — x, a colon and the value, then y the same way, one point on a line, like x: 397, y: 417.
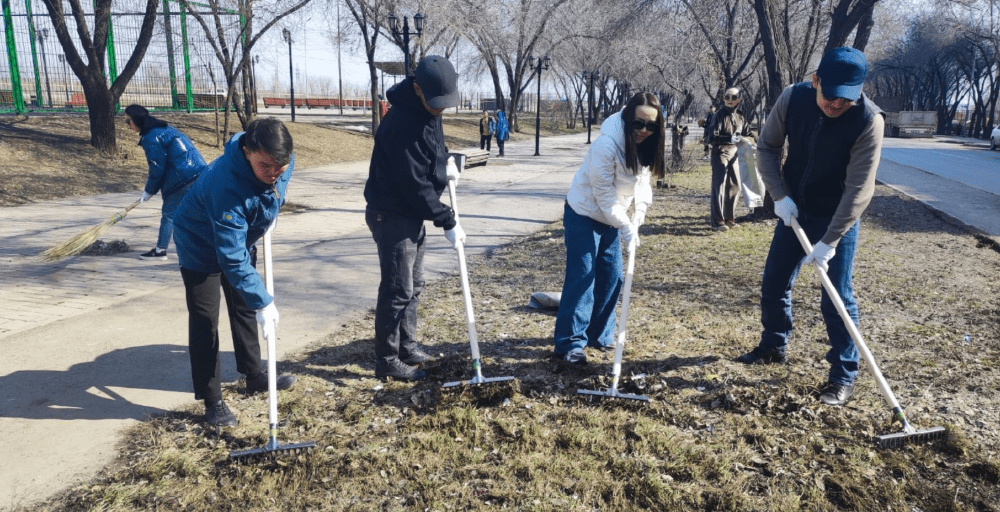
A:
x: 750, y: 183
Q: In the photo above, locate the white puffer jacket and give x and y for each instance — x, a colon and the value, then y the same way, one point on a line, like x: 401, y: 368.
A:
x: 603, y: 188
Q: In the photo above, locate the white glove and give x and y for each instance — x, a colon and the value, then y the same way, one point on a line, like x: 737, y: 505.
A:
x: 145, y: 196
x: 639, y: 218
x: 821, y: 255
x: 267, y: 319
x: 452, y: 169
x: 785, y: 209
x: 735, y: 139
x: 630, y: 231
x: 455, y: 235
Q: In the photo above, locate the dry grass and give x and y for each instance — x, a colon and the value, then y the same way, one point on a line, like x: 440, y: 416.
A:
x: 717, y: 436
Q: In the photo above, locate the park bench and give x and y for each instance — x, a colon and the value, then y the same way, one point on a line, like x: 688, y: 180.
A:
x: 318, y: 103
x: 474, y: 156
x: 275, y: 102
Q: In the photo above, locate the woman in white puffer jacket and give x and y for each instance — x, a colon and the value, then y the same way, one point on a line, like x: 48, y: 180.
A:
x: 616, y: 170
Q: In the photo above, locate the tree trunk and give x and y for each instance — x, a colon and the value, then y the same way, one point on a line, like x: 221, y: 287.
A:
x: 101, y: 113
x: 774, y: 83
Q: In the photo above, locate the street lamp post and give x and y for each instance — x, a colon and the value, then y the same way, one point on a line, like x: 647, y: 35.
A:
x: 62, y: 58
x: 418, y: 22
x: 42, y: 34
x: 538, y: 98
x: 291, y: 77
x: 253, y: 79
x: 592, y: 75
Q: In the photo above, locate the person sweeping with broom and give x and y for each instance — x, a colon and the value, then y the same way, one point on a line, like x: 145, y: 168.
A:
x: 219, y: 221
x: 174, y: 165
x: 616, y: 170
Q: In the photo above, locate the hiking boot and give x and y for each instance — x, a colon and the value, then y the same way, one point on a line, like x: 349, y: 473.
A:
x: 218, y: 415
x: 720, y: 227
x: 259, y: 383
x: 762, y: 356
x: 416, y: 355
x: 836, y: 393
x: 385, y: 368
x: 576, y: 356
x: 154, y: 254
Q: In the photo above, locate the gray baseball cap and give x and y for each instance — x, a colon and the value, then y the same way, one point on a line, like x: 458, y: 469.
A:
x: 438, y: 81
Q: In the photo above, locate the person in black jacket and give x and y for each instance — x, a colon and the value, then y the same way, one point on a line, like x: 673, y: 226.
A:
x: 408, y: 173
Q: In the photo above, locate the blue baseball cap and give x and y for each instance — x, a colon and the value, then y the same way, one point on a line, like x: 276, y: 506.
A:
x: 842, y: 72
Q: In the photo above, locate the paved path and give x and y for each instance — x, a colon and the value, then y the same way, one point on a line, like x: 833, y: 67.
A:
x: 93, y: 344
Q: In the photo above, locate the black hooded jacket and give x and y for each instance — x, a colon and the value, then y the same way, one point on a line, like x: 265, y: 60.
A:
x: 408, y: 166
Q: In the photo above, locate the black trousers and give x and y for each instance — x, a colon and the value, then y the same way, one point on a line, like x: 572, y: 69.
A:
x: 485, y: 142
x: 202, y: 294
x: 400, y: 242
x: 500, y: 145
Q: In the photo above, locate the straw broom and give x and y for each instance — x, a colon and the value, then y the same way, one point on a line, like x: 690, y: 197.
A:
x: 82, y: 241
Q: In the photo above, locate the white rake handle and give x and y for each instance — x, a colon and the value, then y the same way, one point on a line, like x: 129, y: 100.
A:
x: 272, y: 363
x: 470, y: 319
x: 616, y: 369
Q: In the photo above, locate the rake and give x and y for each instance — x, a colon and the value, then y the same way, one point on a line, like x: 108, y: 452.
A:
x: 82, y: 241
x: 477, y: 365
x: 272, y: 449
x: 616, y: 369
x: 909, y: 433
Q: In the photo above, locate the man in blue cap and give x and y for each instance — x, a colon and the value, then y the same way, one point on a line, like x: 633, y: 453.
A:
x: 834, y: 135
x: 409, y: 170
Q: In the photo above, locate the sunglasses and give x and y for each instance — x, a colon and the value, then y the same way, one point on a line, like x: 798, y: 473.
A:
x: 650, y: 126
x: 731, y: 97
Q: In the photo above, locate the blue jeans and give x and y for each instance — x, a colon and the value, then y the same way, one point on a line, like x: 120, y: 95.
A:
x: 170, y: 204
x: 783, y: 264
x: 593, y: 281
x: 400, y: 242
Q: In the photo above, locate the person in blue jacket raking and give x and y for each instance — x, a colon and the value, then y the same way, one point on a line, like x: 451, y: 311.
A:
x: 220, y: 219
x: 174, y: 165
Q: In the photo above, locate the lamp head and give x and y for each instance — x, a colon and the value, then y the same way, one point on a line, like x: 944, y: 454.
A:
x: 531, y: 60
x: 393, y: 23
x: 286, y: 34
x: 418, y: 21
x: 547, y: 62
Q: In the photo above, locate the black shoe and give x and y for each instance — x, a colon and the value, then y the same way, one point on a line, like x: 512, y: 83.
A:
x: 218, y: 415
x: 385, y: 368
x: 153, y: 254
x: 762, y: 356
x: 259, y: 383
x: 416, y: 355
x: 836, y: 394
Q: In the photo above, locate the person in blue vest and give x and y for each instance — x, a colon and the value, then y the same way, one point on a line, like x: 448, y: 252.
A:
x: 503, y: 131
x: 834, y: 135
x: 174, y: 165
x: 219, y: 221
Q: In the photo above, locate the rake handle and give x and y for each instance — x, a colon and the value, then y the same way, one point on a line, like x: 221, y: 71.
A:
x: 838, y: 303
x: 470, y: 319
x: 272, y: 364
x: 616, y: 368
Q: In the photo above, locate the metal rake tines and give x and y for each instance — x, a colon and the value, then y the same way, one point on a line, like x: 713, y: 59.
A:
x: 266, y: 453
x: 899, y: 439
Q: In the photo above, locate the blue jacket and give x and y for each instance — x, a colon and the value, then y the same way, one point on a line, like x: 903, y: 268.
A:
x: 173, y: 160
x: 503, y: 129
x: 222, y: 217
x: 408, y: 173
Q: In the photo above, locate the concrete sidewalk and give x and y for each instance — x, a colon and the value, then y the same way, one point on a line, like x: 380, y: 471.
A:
x: 93, y: 344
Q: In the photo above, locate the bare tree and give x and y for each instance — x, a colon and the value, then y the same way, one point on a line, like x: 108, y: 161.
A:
x: 101, y: 97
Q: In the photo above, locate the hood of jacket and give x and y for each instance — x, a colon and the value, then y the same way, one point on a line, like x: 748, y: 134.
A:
x: 614, y: 127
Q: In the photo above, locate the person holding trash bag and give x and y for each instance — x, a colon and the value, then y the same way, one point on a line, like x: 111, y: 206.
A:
x: 229, y: 208
x: 724, y: 131
x: 407, y: 174
x: 174, y: 165
x: 503, y: 131
x: 615, y: 172
x: 834, y: 135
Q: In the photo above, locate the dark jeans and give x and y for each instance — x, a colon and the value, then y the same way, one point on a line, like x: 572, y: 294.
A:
x: 500, y: 146
x: 400, y: 242
x: 593, y: 282
x: 202, y: 293
x: 484, y: 142
x: 784, y: 261
x: 170, y: 204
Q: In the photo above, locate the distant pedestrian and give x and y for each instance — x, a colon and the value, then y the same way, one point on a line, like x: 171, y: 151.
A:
x: 834, y: 135
x: 723, y: 132
x: 615, y: 172
x: 174, y: 165
x: 219, y: 221
x: 503, y: 130
x: 704, y: 124
x: 407, y: 175
x: 486, y: 128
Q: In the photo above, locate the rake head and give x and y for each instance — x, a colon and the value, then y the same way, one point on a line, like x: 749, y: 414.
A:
x: 899, y: 439
x: 478, y: 380
x: 270, y: 452
x: 611, y: 393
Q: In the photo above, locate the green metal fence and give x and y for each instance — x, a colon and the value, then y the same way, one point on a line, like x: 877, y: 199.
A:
x: 179, y: 70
